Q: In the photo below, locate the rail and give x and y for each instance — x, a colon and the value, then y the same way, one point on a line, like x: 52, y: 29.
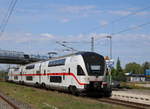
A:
x: 9, y: 102
x: 14, y: 103
x: 125, y: 103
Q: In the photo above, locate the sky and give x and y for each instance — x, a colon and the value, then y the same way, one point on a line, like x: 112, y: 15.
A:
x: 36, y: 25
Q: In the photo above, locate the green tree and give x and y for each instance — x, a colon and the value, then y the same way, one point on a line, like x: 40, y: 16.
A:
x: 118, y: 74
x: 3, y: 74
x: 118, y: 66
x: 145, y: 65
x: 134, y: 68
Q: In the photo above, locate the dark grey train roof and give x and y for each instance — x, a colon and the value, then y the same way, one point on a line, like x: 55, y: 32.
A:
x: 73, y: 54
x: 77, y: 53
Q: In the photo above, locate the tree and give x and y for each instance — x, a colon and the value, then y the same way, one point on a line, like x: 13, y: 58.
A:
x: 118, y: 74
x: 3, y: 74
x: 118, y: 66
x: 134, y: 68
x: 145, y: 65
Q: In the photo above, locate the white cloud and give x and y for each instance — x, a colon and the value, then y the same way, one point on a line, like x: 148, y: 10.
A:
x: 100, y: 36
x: 76, y: 9
x: 65, y: 20
x: 120, y: 12
x: 79, y: 11
x: 83, y: 37
x: 43, y: 37
x: 128, y: 12
x: 26, y: 37
x: 143, y: 13
x: 47, y: 35
x: 103, y: 23
x: 132, y: 37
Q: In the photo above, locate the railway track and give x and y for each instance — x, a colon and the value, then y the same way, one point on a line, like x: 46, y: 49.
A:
x: 11, y: 105
x: 125, y: 103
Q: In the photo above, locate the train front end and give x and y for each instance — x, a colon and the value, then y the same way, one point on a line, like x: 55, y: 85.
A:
x: 98, y: 74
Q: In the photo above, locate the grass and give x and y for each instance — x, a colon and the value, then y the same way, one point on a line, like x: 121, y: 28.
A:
x: 43, y: 99
x: 133, y: 85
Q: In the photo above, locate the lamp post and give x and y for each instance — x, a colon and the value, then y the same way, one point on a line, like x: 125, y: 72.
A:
x: 92, y: 44
x: 110, y: 37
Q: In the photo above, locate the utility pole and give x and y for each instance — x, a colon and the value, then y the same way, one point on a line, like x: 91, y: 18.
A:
x: 110, y: 37
x: 92, y: 44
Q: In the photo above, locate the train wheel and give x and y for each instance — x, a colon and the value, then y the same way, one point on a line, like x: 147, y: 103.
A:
x: 22, y: 83
x: 73, y: 90
x: 108, y: 93
x: 43, y: 85
x: 36, y: 85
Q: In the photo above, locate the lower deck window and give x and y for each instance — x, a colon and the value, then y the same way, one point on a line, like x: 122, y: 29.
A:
x: 29, y: 78
x: 15, y: 77
x: 56, y: 79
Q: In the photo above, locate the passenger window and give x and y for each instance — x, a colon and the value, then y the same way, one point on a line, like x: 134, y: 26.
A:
x: 37, y: 72
x: 56, y: 79
x: 29, y: 78
x: 80, y: 70
x: 15, y: 77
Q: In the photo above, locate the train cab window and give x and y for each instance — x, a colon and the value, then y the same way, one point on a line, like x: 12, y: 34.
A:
x: 94, y: 63
x: 80, y: 70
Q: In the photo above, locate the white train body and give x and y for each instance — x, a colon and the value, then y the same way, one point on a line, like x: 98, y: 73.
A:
x: 79, y: 72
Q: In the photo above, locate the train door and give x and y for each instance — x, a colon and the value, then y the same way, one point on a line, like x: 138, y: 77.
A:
x: 10, y: 74
x: 70, y: 77
x: 63, y: 71
x: 40, y: 73
x: 21, y: 71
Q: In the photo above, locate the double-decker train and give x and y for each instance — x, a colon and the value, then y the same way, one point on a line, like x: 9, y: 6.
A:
x: 81, y: 72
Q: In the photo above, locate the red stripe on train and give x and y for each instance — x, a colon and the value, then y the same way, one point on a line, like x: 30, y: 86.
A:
x: 68, y: 74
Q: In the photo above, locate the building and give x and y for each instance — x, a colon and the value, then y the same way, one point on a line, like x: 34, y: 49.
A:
x: 147, y: 74
x: 136, y: 77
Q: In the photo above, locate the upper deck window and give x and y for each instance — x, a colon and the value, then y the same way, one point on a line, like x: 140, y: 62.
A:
x: 16, y: 69
x: 56, y: 63
x: 30, y: 67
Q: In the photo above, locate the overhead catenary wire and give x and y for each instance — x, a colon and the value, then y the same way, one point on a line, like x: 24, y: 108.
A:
x: 121, y: 18
x: 7, y: 16
x: 76, y: 42
x: 124, y: 30
x: 131, y: 28
x: 64, y: 45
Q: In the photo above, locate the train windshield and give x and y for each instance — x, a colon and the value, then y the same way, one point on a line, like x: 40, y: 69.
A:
x: 95, y: 63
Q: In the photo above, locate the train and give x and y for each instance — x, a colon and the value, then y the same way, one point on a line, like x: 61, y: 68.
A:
x: 77, y: 73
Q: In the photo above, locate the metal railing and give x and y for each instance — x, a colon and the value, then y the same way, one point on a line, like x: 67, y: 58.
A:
x: 14, y: 56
